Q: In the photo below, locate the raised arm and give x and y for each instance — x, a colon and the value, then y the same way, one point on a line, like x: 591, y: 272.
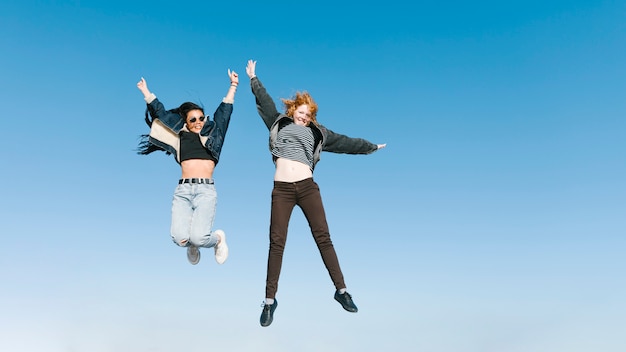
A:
x: 264, y: 103
x: 142, y: 85
x: 234, y: 82
x: 156, y: 109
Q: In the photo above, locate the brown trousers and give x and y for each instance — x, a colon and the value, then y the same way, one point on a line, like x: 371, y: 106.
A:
x: 306, y: 195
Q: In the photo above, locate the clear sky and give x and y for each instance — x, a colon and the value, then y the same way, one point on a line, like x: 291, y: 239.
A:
x: 494, y: 220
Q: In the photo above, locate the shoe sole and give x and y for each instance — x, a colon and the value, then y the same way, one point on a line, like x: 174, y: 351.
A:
x: 223, y: 246
x: 192, y: 262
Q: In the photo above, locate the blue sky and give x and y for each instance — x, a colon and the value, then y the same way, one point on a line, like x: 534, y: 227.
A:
x: 493, y: 221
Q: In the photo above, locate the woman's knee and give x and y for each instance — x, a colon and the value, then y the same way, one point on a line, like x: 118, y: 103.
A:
x: 180, y: 240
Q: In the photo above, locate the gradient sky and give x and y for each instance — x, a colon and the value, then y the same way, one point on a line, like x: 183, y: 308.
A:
x: 494, y: 220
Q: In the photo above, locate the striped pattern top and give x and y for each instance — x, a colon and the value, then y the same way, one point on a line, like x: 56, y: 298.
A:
x: 295, y: 142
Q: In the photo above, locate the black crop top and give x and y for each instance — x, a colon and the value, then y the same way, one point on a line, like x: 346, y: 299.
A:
x: 191, y: 147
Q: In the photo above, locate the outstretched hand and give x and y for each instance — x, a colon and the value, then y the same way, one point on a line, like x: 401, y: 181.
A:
x: 234, y: 77
x: 250, y: 68
x: 381, y: 146
x: 142, y: 85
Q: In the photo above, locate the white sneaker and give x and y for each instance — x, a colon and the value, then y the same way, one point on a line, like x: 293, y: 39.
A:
x: 221, y: 250
x: 193, y: 254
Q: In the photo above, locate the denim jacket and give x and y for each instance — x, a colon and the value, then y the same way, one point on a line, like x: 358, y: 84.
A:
x: 167, y: 124
x: 325, y: 139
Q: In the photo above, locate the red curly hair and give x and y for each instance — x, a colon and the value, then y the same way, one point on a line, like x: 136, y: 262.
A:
x: 301, y: 98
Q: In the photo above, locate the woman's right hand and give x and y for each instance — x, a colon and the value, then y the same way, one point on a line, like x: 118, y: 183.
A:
x: 250, y: 68
x: 142, y: 85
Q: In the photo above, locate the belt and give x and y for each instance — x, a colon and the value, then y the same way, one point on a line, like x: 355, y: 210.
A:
x: 208, y: 181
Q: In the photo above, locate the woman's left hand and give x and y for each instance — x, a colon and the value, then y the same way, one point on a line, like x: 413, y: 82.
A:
x: 234, y: 77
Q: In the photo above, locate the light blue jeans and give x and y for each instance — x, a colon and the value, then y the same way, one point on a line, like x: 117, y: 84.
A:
x: 193, y: 212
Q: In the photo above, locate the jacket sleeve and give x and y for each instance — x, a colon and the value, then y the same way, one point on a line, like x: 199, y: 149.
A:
x: 156, y: 109
x: 217, y: 128
x: 342, y: 144
x: 162, y: 131
x: 264, y: 103
x: 213, y: 132
x: 170, y: 119
x: 222, y: 114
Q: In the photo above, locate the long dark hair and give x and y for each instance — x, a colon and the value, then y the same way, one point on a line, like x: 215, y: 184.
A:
x: 145, y: 147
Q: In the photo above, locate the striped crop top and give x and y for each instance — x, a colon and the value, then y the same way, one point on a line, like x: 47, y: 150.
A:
x: 295, y: 142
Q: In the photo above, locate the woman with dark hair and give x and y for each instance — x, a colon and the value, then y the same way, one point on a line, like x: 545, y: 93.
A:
x: 196, y: 143
x: 296, y: 142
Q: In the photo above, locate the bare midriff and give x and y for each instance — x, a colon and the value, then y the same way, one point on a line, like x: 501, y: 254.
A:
x: 197, y: 168
x: 291, y: 171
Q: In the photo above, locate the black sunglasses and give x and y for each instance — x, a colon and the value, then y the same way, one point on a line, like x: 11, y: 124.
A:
x: 193, y: 119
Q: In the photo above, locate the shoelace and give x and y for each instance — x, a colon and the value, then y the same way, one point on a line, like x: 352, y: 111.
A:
x: 346, y: 294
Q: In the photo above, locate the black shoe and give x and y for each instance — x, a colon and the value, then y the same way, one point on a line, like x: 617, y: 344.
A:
x: 346, y: 301
x: 267, y: 315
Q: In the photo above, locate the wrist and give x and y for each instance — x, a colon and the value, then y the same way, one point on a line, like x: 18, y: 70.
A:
x: 234, y: 84
x: 149, y: 98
